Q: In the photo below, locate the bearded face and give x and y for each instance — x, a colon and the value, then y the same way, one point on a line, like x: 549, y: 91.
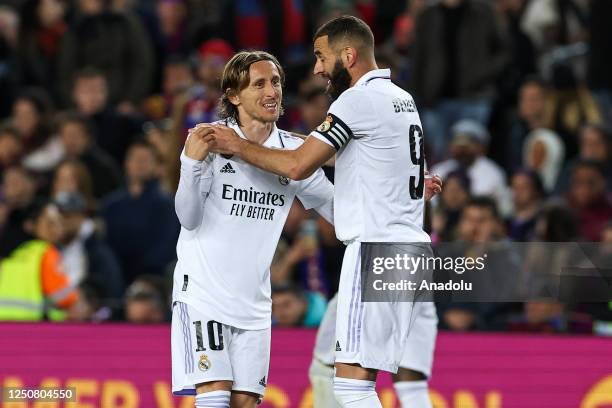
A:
x: 339, y: 80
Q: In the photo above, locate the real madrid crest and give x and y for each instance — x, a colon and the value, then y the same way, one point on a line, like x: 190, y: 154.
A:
x: 204, y: 363
x: 324, y: 127
x: 283, y: 180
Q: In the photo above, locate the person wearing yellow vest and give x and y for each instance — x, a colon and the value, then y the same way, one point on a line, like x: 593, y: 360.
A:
x: 33, y: 285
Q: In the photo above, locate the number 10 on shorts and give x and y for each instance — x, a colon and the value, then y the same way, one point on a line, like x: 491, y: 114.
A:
x: 215, y: 335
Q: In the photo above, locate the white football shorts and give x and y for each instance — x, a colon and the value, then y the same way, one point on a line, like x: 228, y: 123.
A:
x: 204, y: 350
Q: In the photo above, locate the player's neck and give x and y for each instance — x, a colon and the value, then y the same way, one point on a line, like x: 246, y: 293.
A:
x: 360, y: 70
x: 256, y: 131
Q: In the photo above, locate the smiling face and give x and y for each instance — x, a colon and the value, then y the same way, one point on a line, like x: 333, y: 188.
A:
x: 261, y: 99
x: 330, y: 67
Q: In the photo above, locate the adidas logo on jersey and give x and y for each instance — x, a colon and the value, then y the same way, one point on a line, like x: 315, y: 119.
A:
x: 338, y: 346
x: 227, y: 168
x: 262, y: 382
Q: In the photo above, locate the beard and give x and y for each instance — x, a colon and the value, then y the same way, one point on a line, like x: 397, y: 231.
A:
x: 339, y: 80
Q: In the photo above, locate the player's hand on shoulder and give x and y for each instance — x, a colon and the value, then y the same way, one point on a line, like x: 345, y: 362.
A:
x: 433, y: 186
x: 226, y: 140
x: 199, y: 141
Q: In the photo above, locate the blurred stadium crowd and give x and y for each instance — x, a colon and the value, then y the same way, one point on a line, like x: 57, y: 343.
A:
x: 97, y: 96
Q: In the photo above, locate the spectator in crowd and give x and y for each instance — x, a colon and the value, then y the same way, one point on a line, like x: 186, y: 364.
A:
x: 113, y: 131
x: 313, y: 106
x: 86, y: 255
x: 399, y: 47
x: 480, y: 221
x: 78, y: 144
x: 166, y: 129
x: 531, y: 115
x: 293, y: 307
x: 175, y: 32
x: 452, y: 199
x: 544, y: 152
x: 114, y: 43
x: 32, y: 119
x: 90, y: 306
x: 71, y: 176
x: 200, y: 104
x: 42, y: 29
x: 459, y: 52
x: 571, y: 106
x: 527, y: 195
x: 468, y: 151
x: 142, y: 226
x: 552, y: 24
x: 146, y: 300
x: 211, y: 58
x: 301, y: 261
x: 587, y: 197
x: 480, y: 224
x: 177, y: 78
x: 557, y: 223
x: 18, y: 193
x: 162, y: 136
x: 595, y: 144
x: 11, y: 148
x: 542, y: 267
x: 522, y: 50
x: 32, y: 275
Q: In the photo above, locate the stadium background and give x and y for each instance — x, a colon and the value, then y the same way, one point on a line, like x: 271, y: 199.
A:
x: 96, y: 99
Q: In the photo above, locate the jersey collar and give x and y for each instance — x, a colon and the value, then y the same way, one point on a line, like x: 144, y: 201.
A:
x: 273, y: 140
x: 374, y: 74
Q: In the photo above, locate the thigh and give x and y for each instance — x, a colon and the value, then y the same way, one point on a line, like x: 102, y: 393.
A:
x: 250, y: 358
x: 199, y: 349
x: 349, y: 306
x: 419, y: 350
x: 370, y: 334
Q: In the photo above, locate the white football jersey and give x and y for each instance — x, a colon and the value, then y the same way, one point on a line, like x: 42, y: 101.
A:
x: 223, y: 265
x: 379, y: 179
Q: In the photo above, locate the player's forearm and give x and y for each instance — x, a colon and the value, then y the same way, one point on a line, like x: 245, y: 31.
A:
x: 188, y: 199
x: 281, y: 162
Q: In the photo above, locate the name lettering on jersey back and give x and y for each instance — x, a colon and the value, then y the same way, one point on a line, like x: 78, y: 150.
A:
x: 252, y: 196
x: 403, y: 105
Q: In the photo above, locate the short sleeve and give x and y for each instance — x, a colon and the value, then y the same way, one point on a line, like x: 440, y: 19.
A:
x: 351, y: 116
x: 316, y: 190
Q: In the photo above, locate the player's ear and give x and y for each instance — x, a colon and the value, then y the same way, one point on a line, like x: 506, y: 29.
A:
x: 349, y: 56
x: 232, y: 96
